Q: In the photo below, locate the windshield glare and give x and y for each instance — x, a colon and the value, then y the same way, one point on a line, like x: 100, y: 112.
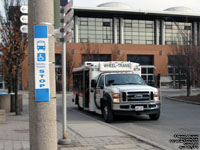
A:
x: 123, y: 79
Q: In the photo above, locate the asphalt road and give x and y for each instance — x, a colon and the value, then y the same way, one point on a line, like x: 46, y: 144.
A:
x: 176, y: 118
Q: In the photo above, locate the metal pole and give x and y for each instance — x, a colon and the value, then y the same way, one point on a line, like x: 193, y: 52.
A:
x: 42, y: 115
x: 64, y: 86
x: 65, y: 140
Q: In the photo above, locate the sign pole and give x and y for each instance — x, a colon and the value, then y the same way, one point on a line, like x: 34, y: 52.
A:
x: 65, y: 140
x: 42, y: 94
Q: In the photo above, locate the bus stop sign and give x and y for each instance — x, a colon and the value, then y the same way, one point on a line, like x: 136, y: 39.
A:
x: 41, y: 59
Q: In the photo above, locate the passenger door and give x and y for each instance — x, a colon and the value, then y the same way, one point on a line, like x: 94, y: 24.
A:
x: 99, y: 90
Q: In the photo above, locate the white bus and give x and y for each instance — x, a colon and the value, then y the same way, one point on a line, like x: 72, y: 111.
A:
x: 114, y: 88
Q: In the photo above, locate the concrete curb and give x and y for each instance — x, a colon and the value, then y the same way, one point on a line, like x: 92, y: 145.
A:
x: 140, y: 138
x: 179, y: 100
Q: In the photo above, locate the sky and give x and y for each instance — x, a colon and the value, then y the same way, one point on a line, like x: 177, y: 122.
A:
x: 152, y: 5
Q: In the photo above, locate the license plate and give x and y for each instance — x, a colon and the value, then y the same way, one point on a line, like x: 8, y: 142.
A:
x: 139, y: 108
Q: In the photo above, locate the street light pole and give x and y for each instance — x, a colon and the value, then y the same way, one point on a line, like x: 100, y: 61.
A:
x: 42, y: 114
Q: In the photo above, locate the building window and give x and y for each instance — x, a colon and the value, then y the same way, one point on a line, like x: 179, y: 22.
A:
x: 141, y: 59
x: 187, y: 27
x: 148, y: 74
x: 106, y: 24
x: 129, y: 25
x: 149, y: 26
x: 58, y: 73
x: 83, y: 23
x: 95, y: 30
x: 168, y: 26
x: 58, y: 67
x: 176, y: 69
x: 178, y: 76
x: 58, y: 59
x: 149, y: 41
x: 138, y: 31
x: 177, y: 32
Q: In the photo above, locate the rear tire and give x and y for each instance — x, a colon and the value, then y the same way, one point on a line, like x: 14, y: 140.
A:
x: 154, y: 116
x: 107, y: 112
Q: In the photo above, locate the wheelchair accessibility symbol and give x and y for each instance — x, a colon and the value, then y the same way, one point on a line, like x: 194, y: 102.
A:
x: 41, y: 57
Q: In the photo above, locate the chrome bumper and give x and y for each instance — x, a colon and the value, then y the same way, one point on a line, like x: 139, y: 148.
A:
x: 130, y: 106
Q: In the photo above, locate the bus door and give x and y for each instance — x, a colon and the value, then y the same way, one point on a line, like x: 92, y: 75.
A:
x: 86, y: 88
x: 99, y: 91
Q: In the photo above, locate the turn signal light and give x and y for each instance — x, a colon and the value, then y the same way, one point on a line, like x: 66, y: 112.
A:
x: 115, y: 98
x: 156, y: 97
x: 115, y: 95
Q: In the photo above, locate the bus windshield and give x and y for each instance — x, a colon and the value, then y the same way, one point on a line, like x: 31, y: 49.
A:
x: 123, y: 79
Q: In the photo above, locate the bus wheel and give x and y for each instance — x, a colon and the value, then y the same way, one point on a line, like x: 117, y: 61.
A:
x: 154, y: 116
x: 107, y: 112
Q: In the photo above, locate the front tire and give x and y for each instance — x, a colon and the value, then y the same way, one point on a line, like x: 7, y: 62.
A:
x: 107, y: 112
x: 154, y: 116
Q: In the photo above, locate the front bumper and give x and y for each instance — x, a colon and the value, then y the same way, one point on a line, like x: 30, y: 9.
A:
x: 150, y: 107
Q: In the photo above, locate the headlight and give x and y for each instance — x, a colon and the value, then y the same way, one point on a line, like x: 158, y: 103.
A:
x: 115, y: 98
x: 156, y: 96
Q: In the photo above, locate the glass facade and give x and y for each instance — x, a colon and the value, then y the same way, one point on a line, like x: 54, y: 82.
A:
x: 134, y: 31
x: 138, y: 31
x: 95, y: 30
x: 177, y: 33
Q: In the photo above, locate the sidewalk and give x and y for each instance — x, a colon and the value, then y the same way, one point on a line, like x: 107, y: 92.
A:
x: 86, y: 133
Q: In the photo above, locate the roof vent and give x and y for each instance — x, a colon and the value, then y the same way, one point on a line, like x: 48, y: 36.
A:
x: 180, y: 9
x: 115, y: 5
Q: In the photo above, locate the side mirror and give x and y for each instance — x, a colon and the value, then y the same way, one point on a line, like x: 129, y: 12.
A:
x: 94, y: 83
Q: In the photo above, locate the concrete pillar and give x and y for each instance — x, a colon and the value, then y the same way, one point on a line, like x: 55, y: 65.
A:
x: 42, y: 115
x: 121, y: 31
x: 157, y: 28
x: 195, y: 33
x: 162, y: 32
x: 115, y: 30
x: 76, y: 29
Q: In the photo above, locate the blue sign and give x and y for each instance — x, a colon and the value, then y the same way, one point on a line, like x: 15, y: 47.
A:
x: 40, y: 31
x: 41, y: 57
x: 41, y: 54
